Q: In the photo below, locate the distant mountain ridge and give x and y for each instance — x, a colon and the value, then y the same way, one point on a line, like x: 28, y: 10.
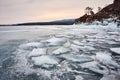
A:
x: 56, y: 22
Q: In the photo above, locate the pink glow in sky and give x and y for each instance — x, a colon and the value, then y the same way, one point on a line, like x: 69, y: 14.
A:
x: 14, y: 11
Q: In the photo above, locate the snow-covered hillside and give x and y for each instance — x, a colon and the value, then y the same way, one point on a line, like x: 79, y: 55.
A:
x: 76, y: 52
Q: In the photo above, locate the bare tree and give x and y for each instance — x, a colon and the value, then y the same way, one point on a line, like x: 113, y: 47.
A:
x: 99, y: 9
x: 88, y: 10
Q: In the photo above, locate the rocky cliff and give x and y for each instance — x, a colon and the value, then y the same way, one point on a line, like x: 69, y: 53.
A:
x: 112, y: 10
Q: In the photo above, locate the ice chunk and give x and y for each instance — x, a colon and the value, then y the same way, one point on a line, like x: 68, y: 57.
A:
x: 33, y: 45
x: 56, y: 41
x: 61, y: 50
x: 37, y: 52
x: 92, y: 40
x: 90, y: 48
x: 75, y: 48
x: 111, y: 42
x: 93, y: 66
x: 67, y: 44
x: 76, y: 58
x: 113, y: 33
x: 89, y: 64
x: 96, y: 23
x: 109, y: 77
x: 115, y: 50
x: 77, y: 42
x: 83, y: 48
x: 106, y: 59
x: 45, y: 61
x: 97, y: 70
x: 66, y: 36
x: 79, y: 77
x: 105, y: 23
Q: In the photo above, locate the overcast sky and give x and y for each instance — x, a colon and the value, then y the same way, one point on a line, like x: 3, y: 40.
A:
x: 15, y: 11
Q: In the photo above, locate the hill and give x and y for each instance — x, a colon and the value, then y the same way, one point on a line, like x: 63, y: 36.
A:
x: 57, y: 22
x: 110, y: 11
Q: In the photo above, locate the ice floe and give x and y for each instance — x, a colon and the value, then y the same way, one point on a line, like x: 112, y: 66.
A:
x: 106, y: 59
x: 94, y: 67
x: 113, y: 33
x: 79, y: 78
x: 32, y: 45
x: 61, y: 50
x: 56, y: 41
x: 109, y: 77
x: 76, y: 58
x: 111, y: 42
x: 115, y: 50
x: 38, y: 52
x: 77, y: 42
x: 82, y: 48
x: 45, y: 61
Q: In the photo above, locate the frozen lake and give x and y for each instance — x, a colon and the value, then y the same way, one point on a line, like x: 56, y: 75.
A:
x: 74, y: 52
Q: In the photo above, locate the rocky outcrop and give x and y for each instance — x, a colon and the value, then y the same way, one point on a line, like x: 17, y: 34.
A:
x: 82, y: 19
x: 112, y: 10
x: 116, y: 7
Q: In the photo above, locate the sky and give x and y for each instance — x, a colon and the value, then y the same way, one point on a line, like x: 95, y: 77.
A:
x: 18, y: 11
